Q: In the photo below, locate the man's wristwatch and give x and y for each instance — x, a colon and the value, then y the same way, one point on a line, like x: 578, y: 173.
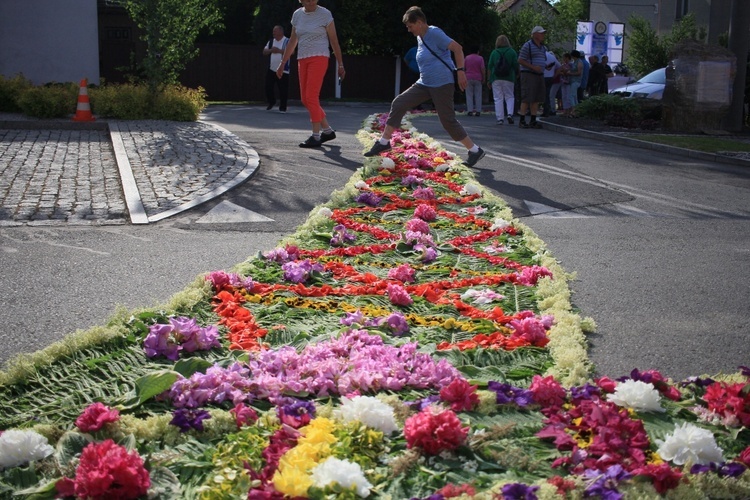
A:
x: 461, y: 69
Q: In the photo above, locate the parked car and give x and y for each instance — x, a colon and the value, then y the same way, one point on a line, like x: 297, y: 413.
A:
x: 650, y: 86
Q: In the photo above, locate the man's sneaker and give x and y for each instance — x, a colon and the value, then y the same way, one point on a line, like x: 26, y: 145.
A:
x: 535, y: 124
x: 510, y: 120
x: 474, y: 158
x: 270, y: 107
x: 500, y: 122
x: 378, y: 148
x: 523, y: 124
x: 311, y: 142
x: 327, y: 136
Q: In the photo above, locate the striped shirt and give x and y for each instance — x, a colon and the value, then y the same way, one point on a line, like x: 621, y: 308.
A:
x: 534, y: 54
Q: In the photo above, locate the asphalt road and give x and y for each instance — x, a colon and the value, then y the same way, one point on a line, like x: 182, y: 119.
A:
x: 660, y: 243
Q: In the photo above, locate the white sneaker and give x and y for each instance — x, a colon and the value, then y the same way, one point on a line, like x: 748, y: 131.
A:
x: 500, y: 122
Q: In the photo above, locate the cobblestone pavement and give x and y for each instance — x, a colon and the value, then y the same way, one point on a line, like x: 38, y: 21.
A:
x: 56, y: 176
x: 174, y: 162
x: 52, y: 172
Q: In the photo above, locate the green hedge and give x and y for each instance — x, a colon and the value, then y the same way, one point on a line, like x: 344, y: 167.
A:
x: 120, y: 101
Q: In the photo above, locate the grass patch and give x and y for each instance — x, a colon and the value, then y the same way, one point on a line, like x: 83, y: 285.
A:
x: 705, y: 144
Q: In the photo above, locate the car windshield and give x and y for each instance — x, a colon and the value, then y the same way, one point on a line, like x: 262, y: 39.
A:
x: 658, y: 76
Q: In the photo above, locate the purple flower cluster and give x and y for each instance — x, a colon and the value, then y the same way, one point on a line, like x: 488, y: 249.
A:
x: 724, y: 469
x: 508, y: 394
x: 283, y: 255
x: 356, y: 362
x: 428, y: 252
x: 519, y: 491
x: 604, y: 484
x: 187, y: 419
x: 221, y: 280
x: 415, y: 238
x: 585, y: 392
x: 180, y: 334
x: 297, y: 414
x: 299, y: 271
x: 341, y: 236
x: 395, y: 323
x: 215, y: 386
x: 410, y: 179
x: 368, y: 198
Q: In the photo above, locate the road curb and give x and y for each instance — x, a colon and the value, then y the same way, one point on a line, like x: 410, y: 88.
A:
x: 248, y: 171
x: 129, y: 187
x: 637, y: 143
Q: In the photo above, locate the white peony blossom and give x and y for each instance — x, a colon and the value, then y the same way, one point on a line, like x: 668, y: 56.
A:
x: 360, y: 185
x: 18, y: 447
x: 387, y: 164
x: 471, y: 188
x: 370, y: 411
x: 485, y: 296
x: 442, y: 167
x: 499, y: 224
x: 343, y: 472
x: 690, y: 444
x: 325, y: 212
x: 637, y: 395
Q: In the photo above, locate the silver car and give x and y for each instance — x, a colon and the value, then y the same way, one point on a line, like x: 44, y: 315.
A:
x: 650, y: 86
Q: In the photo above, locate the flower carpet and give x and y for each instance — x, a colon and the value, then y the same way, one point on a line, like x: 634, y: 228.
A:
x: 411, y: 340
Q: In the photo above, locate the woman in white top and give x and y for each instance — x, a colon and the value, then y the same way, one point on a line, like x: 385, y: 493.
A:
x: 313, y: 30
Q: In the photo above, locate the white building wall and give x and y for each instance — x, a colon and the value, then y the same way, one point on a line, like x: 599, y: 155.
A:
x: 49, y: 40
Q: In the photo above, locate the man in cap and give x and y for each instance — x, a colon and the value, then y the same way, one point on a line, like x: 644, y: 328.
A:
x: 532, y: 58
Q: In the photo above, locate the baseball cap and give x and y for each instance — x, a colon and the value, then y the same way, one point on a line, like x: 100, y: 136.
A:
x: 538, y: 29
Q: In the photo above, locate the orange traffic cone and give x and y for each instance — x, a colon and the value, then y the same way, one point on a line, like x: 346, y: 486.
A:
x: 83, y: 111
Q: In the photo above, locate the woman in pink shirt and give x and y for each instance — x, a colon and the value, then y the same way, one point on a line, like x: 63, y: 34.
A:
x: 475, y: 74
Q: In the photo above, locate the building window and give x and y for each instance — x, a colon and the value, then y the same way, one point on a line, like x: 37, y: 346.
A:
x: 118, y: 34
x: 682, y: 8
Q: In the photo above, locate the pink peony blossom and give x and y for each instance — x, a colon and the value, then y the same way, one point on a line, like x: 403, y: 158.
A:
x: 425, y: 212
x: 95, y: 416
x: 398, y: 295
x: 434, y: 432
x: 243, y: 415
x: 107, y: 470
x: 403, y: 273
x: 547, y: 391
x: 744, y: 457
x: 530, y: 275
x: 417, y: 226
x: 461, y: 395
x: 606, y: 384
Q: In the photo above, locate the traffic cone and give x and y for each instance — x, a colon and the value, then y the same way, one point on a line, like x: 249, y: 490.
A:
x: 83, y: 110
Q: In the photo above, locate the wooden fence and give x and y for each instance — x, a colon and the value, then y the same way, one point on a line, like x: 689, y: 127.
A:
x: 238, y: 72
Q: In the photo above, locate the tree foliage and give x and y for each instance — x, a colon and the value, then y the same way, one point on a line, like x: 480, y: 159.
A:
x: 170, y: 28
x: 647, y: 51
x: 365, y: 27
x: 559, y: 20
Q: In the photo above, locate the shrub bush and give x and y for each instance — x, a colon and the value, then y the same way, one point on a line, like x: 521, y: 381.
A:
x: 134, y: 102
x: 10, y: 91
x: 180, y: 104
x: 54, y: 100
x: 600, y: 107
x: 124, y: 102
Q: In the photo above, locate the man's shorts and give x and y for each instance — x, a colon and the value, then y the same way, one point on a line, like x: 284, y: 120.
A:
x: 532, y: 87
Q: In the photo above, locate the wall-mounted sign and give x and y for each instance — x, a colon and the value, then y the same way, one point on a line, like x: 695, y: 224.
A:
x: 600, y: 39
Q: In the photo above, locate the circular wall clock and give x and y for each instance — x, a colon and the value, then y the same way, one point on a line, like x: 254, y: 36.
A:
x: 600, y: 28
